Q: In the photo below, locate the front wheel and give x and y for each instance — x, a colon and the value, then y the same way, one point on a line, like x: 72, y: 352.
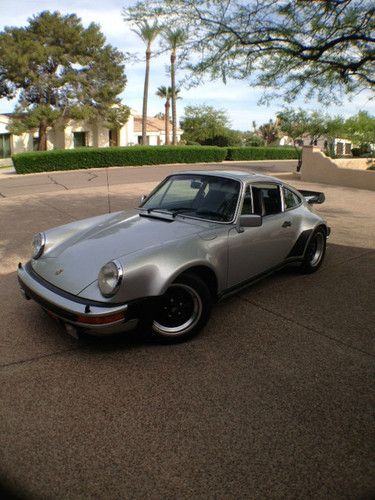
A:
x: 315, y: 252
x: 182, y: 311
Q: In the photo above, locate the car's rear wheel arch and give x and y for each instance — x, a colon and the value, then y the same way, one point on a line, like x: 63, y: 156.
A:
x: 315, y: 250
x: 322, y: 227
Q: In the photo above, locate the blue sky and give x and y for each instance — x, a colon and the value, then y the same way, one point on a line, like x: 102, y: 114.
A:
x: 238, y: 98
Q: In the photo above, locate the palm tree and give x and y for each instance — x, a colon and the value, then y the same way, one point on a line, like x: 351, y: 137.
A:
x: 147, y: 32
x: 174, y: 38
x: 269, y: 132
x: 166, y: 93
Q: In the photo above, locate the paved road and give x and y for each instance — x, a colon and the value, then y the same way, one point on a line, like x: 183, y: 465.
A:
x: 15, y: 185
x: 272, y: 400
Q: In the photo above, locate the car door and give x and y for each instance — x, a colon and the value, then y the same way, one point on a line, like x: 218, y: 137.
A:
x: 255, y: 250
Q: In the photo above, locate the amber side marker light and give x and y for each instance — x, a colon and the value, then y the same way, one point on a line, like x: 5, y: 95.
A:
x: 101, y: 320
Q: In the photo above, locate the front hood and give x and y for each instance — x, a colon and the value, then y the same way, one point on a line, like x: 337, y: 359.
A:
x: 74, y: 262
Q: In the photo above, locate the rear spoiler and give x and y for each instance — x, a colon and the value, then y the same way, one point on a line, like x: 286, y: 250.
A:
x: 313, y: 197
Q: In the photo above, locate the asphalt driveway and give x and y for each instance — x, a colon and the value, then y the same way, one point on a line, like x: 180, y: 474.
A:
x: 273, y: 400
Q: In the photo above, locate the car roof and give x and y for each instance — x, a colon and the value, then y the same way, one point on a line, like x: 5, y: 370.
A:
x: 240, y: 175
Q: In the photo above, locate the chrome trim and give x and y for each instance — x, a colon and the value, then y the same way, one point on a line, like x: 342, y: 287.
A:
x: 42, y: 246
x: 120, y: 271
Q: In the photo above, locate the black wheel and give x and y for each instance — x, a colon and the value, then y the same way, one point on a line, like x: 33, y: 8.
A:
x: 182, y: 311
x: 315, y: 251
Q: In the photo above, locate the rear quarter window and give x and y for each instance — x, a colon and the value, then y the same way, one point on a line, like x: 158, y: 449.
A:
x: 291, y: 200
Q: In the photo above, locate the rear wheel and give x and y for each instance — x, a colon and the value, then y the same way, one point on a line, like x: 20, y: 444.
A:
x: 315, y: 252
x: 182, y: 311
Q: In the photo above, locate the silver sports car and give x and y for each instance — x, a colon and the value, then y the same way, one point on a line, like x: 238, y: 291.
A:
x: 196, y: 238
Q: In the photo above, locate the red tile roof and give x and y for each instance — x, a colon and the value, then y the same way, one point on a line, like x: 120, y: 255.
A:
x: 153, y: 125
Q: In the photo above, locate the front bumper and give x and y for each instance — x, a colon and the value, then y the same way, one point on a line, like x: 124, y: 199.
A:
x: 96, y: 318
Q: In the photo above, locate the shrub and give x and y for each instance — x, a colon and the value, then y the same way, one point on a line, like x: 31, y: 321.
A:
x: 371, y: 167
x: 71, y: 159
x: 356, y: 152
x: 256, y: 153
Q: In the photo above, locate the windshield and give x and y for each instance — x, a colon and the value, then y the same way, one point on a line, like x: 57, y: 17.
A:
x: 203, y: 196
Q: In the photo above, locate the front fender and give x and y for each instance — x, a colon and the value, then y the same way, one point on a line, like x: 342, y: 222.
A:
x: 149, y: 273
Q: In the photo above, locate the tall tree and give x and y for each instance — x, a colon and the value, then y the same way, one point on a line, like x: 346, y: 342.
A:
x: 320, y: 48
x: 175, y: 38
x: 334, y: 128
x: 316, y: 126
x: 203, y: 123
x: 60, y: 70
x: 269, y: 132
x: 166, y: 93
x: 294, y: 124
x: 360, y: 129
x: 147, y: 32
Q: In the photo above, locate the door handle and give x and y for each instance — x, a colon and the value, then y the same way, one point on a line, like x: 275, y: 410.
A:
x: 287, y: 223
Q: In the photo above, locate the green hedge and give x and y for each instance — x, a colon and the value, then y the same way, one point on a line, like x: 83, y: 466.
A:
x: 262, y: 153
x: 71, y: 159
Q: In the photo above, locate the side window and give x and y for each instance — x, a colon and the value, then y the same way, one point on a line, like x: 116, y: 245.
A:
x: 247, y: 207
x: 266, y: 199
x: 291, y: 200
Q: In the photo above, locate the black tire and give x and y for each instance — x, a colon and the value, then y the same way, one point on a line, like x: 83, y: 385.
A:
x: 315, y: 252
x: 182, y: 311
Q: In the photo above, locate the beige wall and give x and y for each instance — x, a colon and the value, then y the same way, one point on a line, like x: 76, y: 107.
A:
x: 317, y: 167
x: 61, y: 136
x: 354, y: 163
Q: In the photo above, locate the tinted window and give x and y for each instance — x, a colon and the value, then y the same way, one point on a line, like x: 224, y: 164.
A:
x: 290, y: 199
x: 266, y: 199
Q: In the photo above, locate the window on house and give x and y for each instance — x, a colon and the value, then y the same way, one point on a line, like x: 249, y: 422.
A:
x: 5, y: 146
x: 291, y: 200
x: 35, y: 143
x: 147, y: 139
x: 79, y: 139
x: 339, y: 148
x: 113, y: 137
x: 348, y: 148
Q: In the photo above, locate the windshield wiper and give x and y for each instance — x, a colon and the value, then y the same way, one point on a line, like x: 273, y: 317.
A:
x: 180, y: 210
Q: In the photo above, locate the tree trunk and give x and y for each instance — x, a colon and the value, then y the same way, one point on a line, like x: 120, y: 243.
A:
x: 166, y: 118
x: 173, y: 86
x: 299, y: 156
x: 145, y: 97
x: 42, y: 144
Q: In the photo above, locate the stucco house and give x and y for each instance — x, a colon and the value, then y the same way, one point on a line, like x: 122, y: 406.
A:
x: 74, y: 133
x: 341, y: 147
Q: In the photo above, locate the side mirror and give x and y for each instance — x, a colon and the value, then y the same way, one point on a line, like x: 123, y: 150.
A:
x: 143, y: 197
x: 250, y: 220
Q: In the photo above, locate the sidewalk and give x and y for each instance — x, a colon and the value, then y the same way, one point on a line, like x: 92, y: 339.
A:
x: 5, y: 171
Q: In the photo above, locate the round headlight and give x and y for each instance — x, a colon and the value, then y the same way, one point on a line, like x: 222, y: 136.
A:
x: 109, y: 278
x: 38, y: 243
